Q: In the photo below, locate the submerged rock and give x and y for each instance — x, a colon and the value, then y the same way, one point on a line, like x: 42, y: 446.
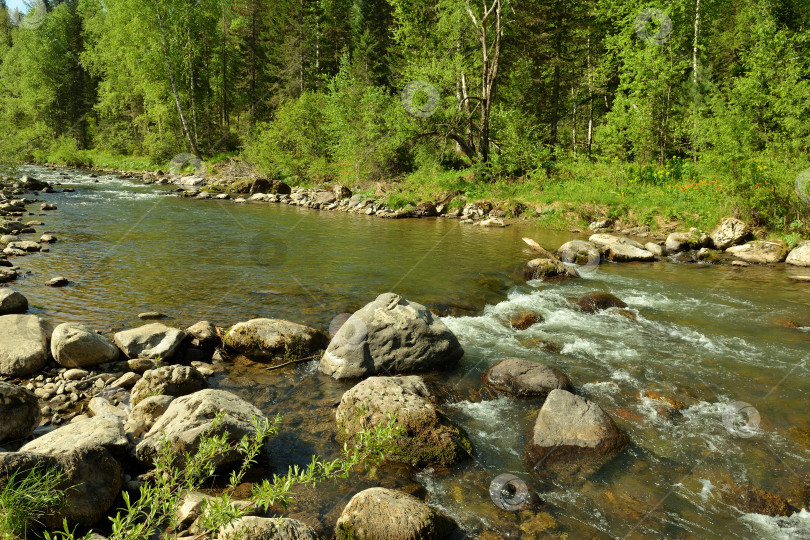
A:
x: 390, y: 335
x: 524, y: 378
x: 76, y: 345
x: 23, y: 344
x: 271, y: 338
x: 19, y: 412
x: 525, y: 320
x: 429, y: 436
x: 598, y: 301
x: 385, y: 514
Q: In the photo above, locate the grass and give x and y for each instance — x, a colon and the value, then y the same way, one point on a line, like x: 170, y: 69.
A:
x: 26, y: 498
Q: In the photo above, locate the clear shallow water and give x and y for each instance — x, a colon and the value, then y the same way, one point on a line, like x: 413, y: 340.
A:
x: 704, y: 336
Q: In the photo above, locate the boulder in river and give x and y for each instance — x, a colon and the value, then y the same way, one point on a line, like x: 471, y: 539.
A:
x: 76, y: 345
x: 168, y: 380
x: 800, y: 255
x: 150, y: 341
x: 385, y: 514
x: 686, y: 241
x: 23, y: 344
x: 188, y: 418
x: 272, y: 338
x: 579, y: 252
x: 19, y: 412
x: 524, y: 378
x: 106, y: 431
x: 621, y: 249
x: 548, y: 270
x: 571, y: 428
x: 429, y: 437
x: 598, y: 301
x: 92, y: 481
x: 12, y: 302
x: 58, y: 281
x: 390, y: 335
x: 760, y: 252
x: 730, y: 232
x: 260, y: 528
x: 7, y: 274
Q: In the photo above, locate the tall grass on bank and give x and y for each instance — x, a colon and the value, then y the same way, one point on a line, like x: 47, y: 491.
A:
x: 26, y: 498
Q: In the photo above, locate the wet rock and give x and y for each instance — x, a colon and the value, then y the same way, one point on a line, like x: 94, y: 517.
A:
x: 271, y: 338
x: 7, y: 274
x: 598, y: 301
x: 260, y: 528
x: 170, y: 381
x: 150, y: 341
x: 525, y: 320
x: 106, y: 431
x: 47, y: 206
x: 572, y: 428
x: 730, y: 232
x: 385, y: 514
x: 524, y: 378
x: 686, y: 241
x: 47, y: 239
x: 144, y: 414
x: 12, y: 302
x: 548, y: 269
x: 492, y: 222
x: 753, y: 500
x: 620, y: 249
x: 800, y: 255
x: 151, y: 316
x: 390, y: 335
x: 760, y: 252
x: 189, y: 417
x: 25, y: 245
x: 75, y: 345
x: 23, y: 344
x: 19, y: 412
x: 59, y: 281
x: 426, y: 209
x: 429, y: 437
x: 579, y: 252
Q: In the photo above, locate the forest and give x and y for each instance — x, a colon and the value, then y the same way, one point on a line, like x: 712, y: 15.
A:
x: 687, y: 110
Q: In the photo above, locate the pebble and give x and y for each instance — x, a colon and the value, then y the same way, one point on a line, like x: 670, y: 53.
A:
x: 75, y: 374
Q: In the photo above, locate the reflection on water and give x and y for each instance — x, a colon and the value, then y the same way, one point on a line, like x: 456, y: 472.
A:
x: 703, y: 336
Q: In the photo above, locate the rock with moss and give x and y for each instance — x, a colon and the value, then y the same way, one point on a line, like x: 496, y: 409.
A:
x: 170, y: 381
x: 579, y: 252
x: 385, y: 514
x: 429, y: 437
x: 598, y: 301
x: 19, y: 412
x: 260, y: 528
x: 760, y: 252
x: 274, y: 338
x: 548, y: 269
x: 686, y: 241
x: 391, y: 335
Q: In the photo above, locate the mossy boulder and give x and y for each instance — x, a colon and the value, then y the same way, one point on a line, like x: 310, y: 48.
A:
x: 548, y: 269
x: 598, y: 301
x: 429, y: 437
x: 524, y: 378
x: 273, y: 338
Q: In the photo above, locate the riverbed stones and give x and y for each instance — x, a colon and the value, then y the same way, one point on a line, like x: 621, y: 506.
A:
x: 12, y: 302
x: 385, y: 514
x: 730, y: 232
x: 76, y: 346
x: 150, y: 341
x: 23, y: 344
x: 548, y: 269
x: 799, y: 256
x: 260, y: 528
x: 271, y: 338
x: 429, y: 437
x: 572, y: 428
x: 19, y: 412
x: 686, y: 241
x: 760, y: 252
x: 25, y: 245
x: 169, y: 380
x: 525, y: 379
x: 106, y: 431
x: 598, y: 301
x: 190, y: 417
x: 621, y: 249
x: 579, y: 252
x: 92, y: 481
x: 390, y: 335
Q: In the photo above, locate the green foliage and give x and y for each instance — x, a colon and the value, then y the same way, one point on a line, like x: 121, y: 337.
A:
x: 26, y: 498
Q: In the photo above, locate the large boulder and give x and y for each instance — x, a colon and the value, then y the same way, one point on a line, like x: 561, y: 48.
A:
x: 524, y: 378
x: 760, y: 252
x: 390, y: 335
x: 730, y: 232
x: 168, y: 380
x: 145, y: 413
x: 800, y: 255
x: 106, y: 431
x: 579, y: 252
x: 385, y: 514
x: 150, y: 341
x: 548, y: 269
x: 19, y: 412
x: 12, y: 302
x: 620, y: 249
x: 188, y: 418
x: 7, y: 274
x: 572, y: 428
x: 429, y: 437
x: 259, y: 528
x: 271, y: 338
x: 76, y: 345
x: 23, y: 344
x: 598, y: 301
x: 686, y: 241
x: 92, y: 481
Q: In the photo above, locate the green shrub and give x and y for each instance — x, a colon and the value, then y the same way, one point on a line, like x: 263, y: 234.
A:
x: 26, y: 498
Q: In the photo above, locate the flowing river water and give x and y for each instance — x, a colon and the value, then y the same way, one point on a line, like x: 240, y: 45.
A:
x: 705, y: 336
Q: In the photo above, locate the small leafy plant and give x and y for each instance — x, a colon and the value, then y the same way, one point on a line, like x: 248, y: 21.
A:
x: 27, y: 497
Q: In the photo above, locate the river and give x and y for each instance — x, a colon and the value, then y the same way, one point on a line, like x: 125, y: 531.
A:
x: 706, y: 336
